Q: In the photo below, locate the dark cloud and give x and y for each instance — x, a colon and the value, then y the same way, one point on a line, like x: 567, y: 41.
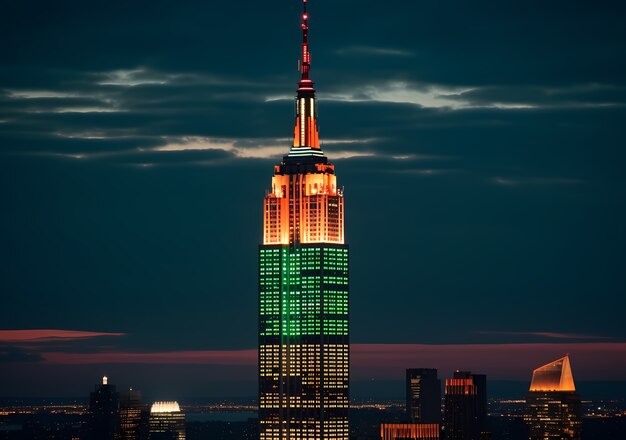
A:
x: 582, y: 95
x: 15, y: 354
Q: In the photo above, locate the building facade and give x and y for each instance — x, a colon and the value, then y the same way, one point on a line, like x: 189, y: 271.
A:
x: 103, y: 417
x: 409, y: 431
x: 465, y: 406
x: 480, y: 380
x: 423, y: 395
x: 166, y: 422
x: 303, y: 287
x: 553, y: 409
x: 133, y: 416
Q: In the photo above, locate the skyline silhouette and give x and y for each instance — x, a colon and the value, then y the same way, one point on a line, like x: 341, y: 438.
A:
x: 480, y: 147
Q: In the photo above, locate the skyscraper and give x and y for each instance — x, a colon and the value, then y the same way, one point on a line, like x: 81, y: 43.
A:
x: 133, y: 416
x: 167, y: 421
x: 480, y: 380
x: 423, y: 395
x: 103, y: 418
x: 465, y: 406
x: 303, y: 287
x: 552, y: 405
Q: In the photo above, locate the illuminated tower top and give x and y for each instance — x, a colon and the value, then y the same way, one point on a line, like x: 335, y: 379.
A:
x: 304, y: 204
x: 305, y: 137
x: 555, y: 376
x: 165, y: 407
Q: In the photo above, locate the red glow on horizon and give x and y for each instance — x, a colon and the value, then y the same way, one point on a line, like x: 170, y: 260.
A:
x: 388, y: 361
x: 214, y: 357
x: 44, y: 335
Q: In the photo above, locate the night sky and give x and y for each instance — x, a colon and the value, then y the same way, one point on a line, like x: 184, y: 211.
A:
x: 481, y: 146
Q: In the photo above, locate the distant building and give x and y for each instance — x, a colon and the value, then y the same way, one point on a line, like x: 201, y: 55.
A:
x: 133, y: 416
x: 409, y: 431
x: 423, y: 395
x: 103, y: 417
x: 552, y: 405
x: 480, y: 380
x: 166, y: 422
x: 465, y: 412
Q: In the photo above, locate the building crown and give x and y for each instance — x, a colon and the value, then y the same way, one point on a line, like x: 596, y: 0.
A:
x: 305, y: 137
x: 554, y: 376
x: 165, y: 407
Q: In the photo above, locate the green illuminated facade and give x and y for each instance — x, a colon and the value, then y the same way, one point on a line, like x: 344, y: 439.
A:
x: 303, y: 291
x: 303, y: 341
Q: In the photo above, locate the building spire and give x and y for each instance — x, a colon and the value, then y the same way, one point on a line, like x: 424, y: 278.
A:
x: 305, y: 139
x: 305, y: 61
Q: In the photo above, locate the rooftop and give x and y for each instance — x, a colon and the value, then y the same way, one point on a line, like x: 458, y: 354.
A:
x: 555, y: 376
x: 164, y: 407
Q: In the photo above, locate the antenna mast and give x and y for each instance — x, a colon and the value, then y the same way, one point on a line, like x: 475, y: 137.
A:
x: 305, y: 62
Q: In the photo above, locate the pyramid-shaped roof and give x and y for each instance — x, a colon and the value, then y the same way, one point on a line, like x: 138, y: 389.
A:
x: 555, y: 376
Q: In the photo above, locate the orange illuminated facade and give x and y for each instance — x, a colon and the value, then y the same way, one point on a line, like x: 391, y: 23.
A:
x: 305, y: 132
x: 304, y: 347
x: 409, y: 431
x: 304, y: 207
x: 553, y: 409
x: 555, y: 376
x: 463, y: 387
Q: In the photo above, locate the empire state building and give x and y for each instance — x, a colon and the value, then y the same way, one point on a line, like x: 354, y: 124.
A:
x: 303, y: 287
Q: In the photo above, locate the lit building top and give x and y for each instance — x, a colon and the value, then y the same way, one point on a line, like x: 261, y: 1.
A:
x: 418, y: 431
x: 555, y: 376
x: 165, y: 407
x: 463, y: 386
x: 305, y: 137
x: 304, y: 204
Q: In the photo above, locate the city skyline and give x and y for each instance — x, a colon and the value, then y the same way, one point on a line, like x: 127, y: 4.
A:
x: 133, y: 165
